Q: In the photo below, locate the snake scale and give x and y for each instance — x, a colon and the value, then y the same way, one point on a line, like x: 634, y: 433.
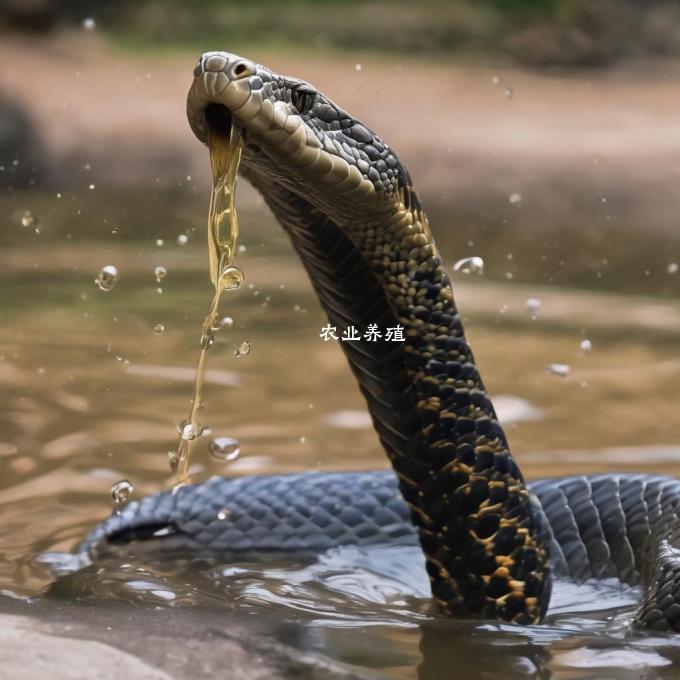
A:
x: 491, y: 543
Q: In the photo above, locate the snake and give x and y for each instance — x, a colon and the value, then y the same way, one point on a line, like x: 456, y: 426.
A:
x: 493, y: 545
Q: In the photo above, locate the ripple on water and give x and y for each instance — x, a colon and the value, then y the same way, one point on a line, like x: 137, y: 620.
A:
x: 384, y: 591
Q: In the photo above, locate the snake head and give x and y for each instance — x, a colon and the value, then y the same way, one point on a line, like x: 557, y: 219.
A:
x: 296, y: 137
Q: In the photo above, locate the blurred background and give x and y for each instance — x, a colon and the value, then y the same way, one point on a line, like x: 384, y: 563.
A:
x: 542, y: 135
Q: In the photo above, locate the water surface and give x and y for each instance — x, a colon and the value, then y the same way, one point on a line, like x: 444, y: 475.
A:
x: 91, y: 395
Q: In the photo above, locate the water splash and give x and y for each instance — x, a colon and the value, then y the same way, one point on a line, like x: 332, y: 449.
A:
x: 120, y: 491
x: 469, y: 265
x: 107, y: 278
x: 243, y: 350
x: 224, y: 449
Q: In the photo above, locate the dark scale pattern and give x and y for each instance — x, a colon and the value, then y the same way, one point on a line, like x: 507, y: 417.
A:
x: 307, y: 512
x: 467, y: 494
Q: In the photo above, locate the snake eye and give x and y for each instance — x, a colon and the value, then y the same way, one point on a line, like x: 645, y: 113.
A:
x: 302, y: 101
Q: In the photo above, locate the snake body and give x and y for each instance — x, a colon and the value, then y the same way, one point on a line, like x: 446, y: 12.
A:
x: 490, y: 543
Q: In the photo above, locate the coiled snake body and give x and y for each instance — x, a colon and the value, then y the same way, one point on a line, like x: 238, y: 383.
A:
x: 491, y: 543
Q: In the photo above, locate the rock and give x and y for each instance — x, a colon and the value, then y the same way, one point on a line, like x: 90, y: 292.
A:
x: 26, y: 653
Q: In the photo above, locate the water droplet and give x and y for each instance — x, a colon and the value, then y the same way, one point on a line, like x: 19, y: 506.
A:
x: 673, y: 268
x: 121, y: 491
x: 533, y: 306
x: 114, y: 230
x: 515, y: 198
x: 173, y: 460
x: 107, y: 278
x: 586, y: 345
x: 227, y: 322
x: 223, y: 513
x: 207, y: 340
x: 27, y: 219
x: 358, y: 67
x: 243, y: 350
x: 241, y: 249
x: 224, y: 448
x: 495, y: 80
x: 231, y: 278
x: 469, y: 265
x: 158, y: 328
x: 160, y: 273
x: 189, y: 431
x: 88, y: 23
x: 508, y: 93
x: 182, y: 240
x: 561, y: 370
x: 159, y: 242
x: 303, y: 439
x: 91, y: 187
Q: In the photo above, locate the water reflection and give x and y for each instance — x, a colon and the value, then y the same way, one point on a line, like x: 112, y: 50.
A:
x: 321, y: 605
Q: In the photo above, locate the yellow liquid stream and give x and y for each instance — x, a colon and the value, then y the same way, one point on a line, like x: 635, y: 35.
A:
x: 225, y: 156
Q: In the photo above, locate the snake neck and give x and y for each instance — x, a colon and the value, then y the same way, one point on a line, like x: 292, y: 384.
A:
x: 428, y: 403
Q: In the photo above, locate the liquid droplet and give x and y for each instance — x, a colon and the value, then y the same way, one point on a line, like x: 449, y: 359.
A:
x: 107, y: 278
x: 562, y: 370
x: 243, y: 350
x: 158, y: 328
x: 224, y: 449
x: 673, y: 268
x: 223, y: 514
x: 189, y: 431
x: 27, y: 219
x: 121, y: 491
x: 160, y: 273
x: 207, y: 340
x: 159, y: 242
x: 586, y: 345
x: 227, y: 322
x: 182, y: 240
x: 515, y: 198
x: 173, y: 460
x: 533, y: 306
x: 231, y: 278
x: 508, y: 93
x: 469, y: 265
x: 89, y: 24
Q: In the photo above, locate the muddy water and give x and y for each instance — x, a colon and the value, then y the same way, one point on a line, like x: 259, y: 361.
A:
x: 91, y: 394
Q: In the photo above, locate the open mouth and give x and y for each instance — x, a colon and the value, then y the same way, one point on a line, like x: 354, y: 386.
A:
x: 218, y: 119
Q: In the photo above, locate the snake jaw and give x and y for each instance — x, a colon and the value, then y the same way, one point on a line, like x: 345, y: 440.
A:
x: 296, y: 137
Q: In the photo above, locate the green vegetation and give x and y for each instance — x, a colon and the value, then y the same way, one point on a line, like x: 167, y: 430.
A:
x: 537, y: 32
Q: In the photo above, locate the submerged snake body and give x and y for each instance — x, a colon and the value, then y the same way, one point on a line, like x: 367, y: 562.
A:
x: 489, y: 543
